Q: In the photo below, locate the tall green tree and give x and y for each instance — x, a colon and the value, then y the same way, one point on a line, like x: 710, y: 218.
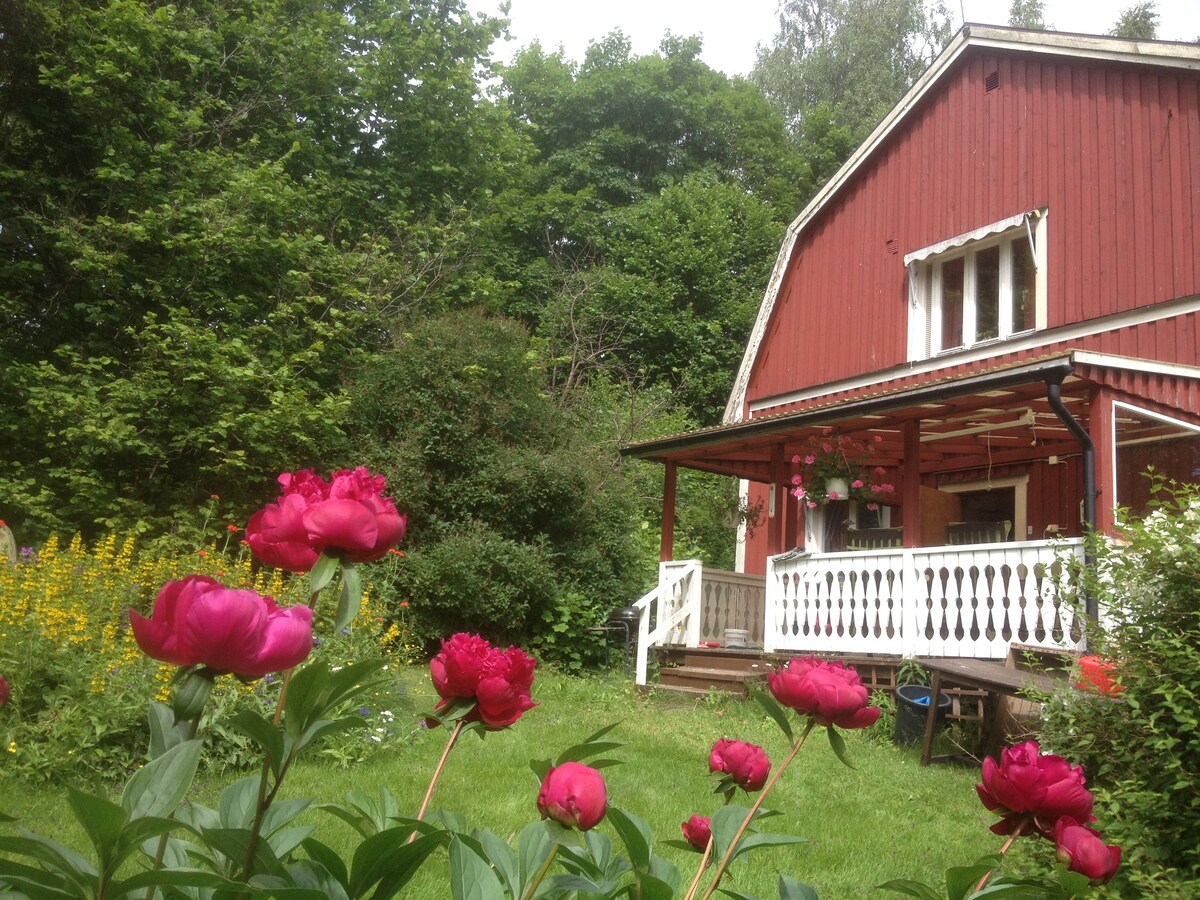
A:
x: 1138, y: 22
x: 1028, y: 14
x: 847, y: 61
x: 208, y: 212
x: 652, y: 214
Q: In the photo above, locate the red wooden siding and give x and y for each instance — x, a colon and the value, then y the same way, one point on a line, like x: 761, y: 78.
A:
x: 1112, y: 151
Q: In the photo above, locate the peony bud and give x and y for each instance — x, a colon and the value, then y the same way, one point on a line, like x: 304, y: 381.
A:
x: 573, y: 795
x: 697, y: 831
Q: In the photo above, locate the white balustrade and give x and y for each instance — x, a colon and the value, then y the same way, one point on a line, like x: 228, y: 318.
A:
x: 970, y: 601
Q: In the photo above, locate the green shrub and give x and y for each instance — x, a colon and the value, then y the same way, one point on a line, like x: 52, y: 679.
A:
x: 1142, y: 752
x: 521, y: 521
x: 477, y: 580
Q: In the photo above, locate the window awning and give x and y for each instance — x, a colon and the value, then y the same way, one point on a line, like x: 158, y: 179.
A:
x: 969, y: 237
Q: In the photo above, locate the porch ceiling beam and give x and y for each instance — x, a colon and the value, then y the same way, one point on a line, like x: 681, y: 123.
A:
x: 1032, y: 375
x: 1001, y: 457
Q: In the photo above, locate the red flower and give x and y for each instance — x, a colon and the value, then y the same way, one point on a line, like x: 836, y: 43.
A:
x: 232, y: 529
x: 1030, y: 789
x: 499, y: 681
x: 832, y: 693
x: 5, y: 690
x: 697, y: 831
x: 574, y: 795
x: 199, y: 621
x: 746, y: 764
x: 347, y: 517
x: 1096, y: 674
x: 1081, y: 850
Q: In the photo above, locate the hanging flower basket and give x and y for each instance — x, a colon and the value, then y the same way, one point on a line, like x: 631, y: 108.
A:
x: 835, y: 467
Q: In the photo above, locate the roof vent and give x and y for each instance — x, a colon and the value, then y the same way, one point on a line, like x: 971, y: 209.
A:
x: 991, y: 82
x: 892, y: 247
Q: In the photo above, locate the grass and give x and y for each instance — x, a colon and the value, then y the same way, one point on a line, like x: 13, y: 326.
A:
x: 886, y: 818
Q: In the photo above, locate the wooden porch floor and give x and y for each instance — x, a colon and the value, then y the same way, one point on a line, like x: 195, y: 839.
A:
x: 697, y: 671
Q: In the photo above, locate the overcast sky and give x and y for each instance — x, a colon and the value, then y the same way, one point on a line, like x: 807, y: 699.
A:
x: 732, y: 29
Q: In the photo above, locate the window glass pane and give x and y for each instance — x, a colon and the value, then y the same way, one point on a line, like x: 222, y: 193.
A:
x: 987, y: 294
x: 1023, y: 306
x: 952, y: 303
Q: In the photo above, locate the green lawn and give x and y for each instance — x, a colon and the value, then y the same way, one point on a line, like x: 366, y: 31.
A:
x: 887, y: 818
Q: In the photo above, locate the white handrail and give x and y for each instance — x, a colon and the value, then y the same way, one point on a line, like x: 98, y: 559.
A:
x: 665, y: 621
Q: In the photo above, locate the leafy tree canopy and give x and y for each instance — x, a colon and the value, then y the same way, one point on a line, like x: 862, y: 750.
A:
x: 1138, y: 22
x: 207, y: 211
x: 850, y: 60
x: 1028, y: 14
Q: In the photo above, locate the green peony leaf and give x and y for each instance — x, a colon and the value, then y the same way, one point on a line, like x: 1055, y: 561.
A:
x: 775, y: 710
x: 350, y: 599
x: 159, y: 786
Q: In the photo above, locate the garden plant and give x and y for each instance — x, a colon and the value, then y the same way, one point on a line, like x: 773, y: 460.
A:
x: 150, y: 842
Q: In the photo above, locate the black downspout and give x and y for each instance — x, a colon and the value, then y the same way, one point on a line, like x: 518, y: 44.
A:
x: 1090, y: 491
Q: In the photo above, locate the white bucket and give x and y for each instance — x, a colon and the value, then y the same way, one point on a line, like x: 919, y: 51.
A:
x: 736, y: 637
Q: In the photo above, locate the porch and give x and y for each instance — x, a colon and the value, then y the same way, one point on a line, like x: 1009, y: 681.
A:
x: 946, y: 601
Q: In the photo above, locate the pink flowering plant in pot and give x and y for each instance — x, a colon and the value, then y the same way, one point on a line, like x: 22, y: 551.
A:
x: 831, y: 466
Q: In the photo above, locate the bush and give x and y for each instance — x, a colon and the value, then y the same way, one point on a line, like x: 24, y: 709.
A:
x: 1142, y: 753
x: 476, y: 580
x: 521, y: 524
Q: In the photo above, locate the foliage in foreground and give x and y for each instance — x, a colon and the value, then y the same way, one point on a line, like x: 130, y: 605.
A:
x: 1143, y: 752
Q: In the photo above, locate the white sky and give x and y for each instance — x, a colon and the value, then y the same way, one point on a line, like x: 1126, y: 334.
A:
x: 732, y: 29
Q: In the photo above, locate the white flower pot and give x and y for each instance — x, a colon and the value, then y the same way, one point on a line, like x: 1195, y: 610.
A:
x: 838, y: 486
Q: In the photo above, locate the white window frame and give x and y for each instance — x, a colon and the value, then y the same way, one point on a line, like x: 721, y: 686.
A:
x: 1130, y: 409
x: 925, y: 286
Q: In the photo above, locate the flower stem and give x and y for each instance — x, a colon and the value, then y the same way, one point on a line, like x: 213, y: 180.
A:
x: 193, y: 727
x: 729, y: 851
x: 691, y: 891
x: 532, y: 889
x: 990, y: 872
x: 436, y: 773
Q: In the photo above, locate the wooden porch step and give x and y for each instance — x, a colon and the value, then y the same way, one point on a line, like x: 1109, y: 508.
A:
x: 748, y: 661
x: 700, y: 680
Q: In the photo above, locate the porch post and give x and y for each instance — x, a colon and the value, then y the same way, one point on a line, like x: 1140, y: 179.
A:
x: 911, y: 497
x: 1100, y: 428
x: 666, y: 546
x: 775, y: 524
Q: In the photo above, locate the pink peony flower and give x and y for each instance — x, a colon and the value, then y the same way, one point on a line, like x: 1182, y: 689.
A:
x: 1029, y: 788
x: 832, y: 693
x: 347, y: 517
x: 746, y: 764
x: 199, y: 621
x: 499, y: 681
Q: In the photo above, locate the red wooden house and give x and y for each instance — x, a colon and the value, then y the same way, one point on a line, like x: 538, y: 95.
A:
x: 994, y: 309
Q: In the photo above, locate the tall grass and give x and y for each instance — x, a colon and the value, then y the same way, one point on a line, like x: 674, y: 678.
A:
x: 887, y: 818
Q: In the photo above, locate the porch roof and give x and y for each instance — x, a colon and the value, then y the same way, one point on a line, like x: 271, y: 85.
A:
x: 986, y: 417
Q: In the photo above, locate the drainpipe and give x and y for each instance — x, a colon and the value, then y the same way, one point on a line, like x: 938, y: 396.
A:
x: 1090, y: 491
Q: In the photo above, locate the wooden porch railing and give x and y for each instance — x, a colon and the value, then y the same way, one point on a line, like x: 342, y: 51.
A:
x: 970, y: 601
x: 693, y: 603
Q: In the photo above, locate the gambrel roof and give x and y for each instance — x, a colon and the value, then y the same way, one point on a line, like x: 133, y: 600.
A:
x: 970, y: 39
